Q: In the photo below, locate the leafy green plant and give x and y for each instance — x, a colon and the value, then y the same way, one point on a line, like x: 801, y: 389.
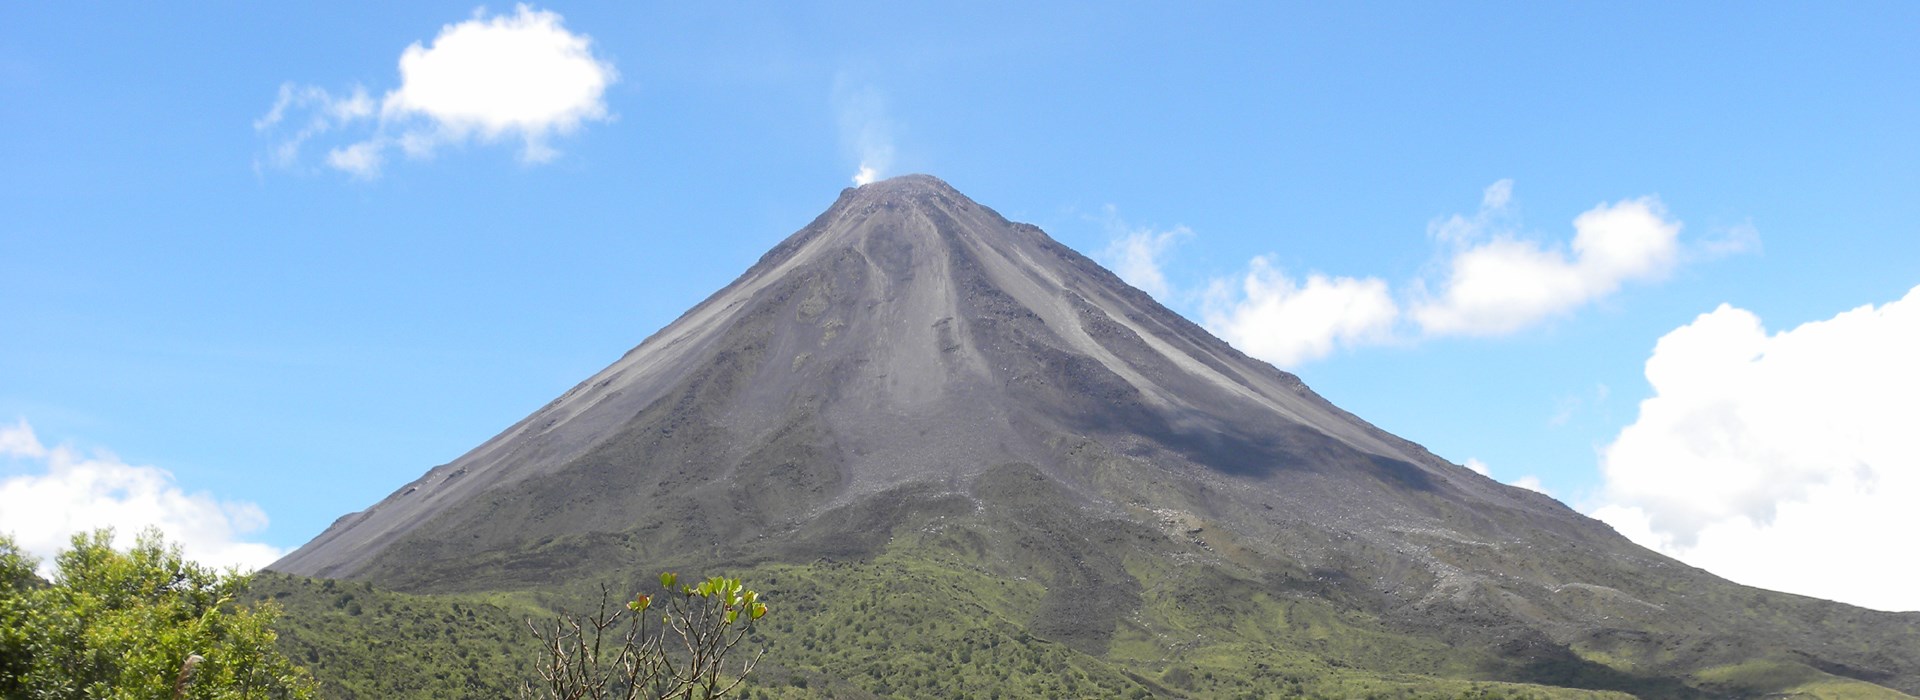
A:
x: 145, y: 623
x: 617, y: 653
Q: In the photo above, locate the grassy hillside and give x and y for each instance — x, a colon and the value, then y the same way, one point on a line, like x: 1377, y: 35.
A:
x: 901, y: 625
x: 365, y: 642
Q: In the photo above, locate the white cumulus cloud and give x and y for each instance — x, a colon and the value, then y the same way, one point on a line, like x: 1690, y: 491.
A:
x: 1780, y: 460
x: 1276, y: 318
x: 63, y: 491
x: 1497, y: 282
x: 520, y: 77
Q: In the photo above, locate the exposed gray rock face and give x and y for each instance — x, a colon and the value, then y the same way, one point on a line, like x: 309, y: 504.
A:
x: 920, y: 338
x: 912, y: 355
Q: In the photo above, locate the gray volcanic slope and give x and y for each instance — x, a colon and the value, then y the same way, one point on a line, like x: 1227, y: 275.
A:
x: 910, y: 355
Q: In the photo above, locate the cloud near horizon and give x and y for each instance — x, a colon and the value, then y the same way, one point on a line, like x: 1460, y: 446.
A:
x: 1759, y: 448
x: 48, y: 494
x: 1492, y: 281
x: 518, y: 77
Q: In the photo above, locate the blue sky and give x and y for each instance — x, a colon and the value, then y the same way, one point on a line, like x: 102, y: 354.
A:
x: 265, y: 340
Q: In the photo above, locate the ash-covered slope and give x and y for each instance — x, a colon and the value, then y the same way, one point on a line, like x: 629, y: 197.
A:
x: 918, y: 337
x: 913, y: 360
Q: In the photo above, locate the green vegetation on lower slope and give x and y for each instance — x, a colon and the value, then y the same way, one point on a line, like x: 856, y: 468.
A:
x: 1786, y: 679
x: 901, y: 625
x: 1025, y: 596
x: 365, y: 642
x: 905, y: 626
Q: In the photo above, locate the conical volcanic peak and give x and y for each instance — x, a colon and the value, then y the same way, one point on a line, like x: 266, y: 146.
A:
x: 912, y: 209
x: 898, y: 207
x: 911, y: 367
x: 913, y: 184
x: 907, y: 336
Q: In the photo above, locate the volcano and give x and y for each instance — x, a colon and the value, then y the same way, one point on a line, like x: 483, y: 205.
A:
x: 913, y: 378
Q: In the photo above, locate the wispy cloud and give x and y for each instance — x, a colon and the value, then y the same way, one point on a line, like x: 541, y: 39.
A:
x: 520, y: 77
x: 1731, y: 240
x: 323, y: 112
x: 865, y: 129
x: 1569, y: 406
x: 50, y: 493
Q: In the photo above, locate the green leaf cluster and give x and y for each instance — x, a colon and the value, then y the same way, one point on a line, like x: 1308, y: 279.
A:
x: 727, y: 593
x: 144, y: 623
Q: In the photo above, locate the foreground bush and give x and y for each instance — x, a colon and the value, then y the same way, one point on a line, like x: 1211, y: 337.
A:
x: 135, y: 625
x: 616, y: 653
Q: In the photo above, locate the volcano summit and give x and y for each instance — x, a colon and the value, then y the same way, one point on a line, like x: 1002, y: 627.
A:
x: 1051, y: 459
